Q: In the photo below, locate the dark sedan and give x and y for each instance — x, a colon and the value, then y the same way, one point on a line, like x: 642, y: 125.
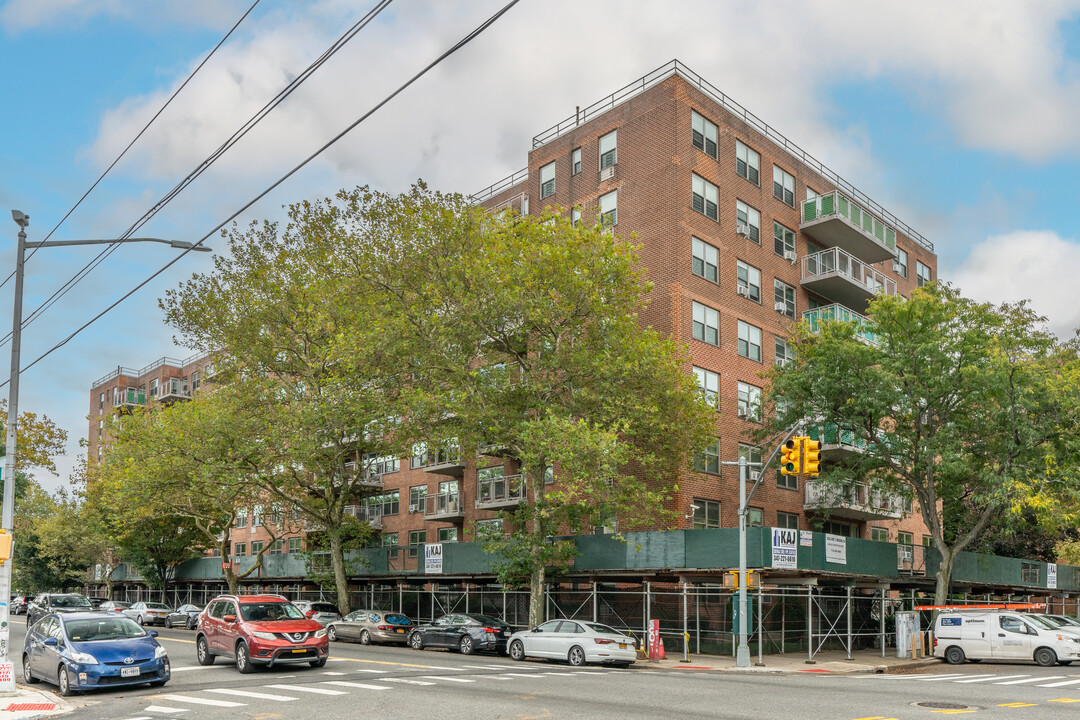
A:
x: 55, y: 603
x: 465, y: 633
x: 185, y: 616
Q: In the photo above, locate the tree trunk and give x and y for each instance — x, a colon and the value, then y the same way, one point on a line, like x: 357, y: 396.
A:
x: 341, y: 580
x: 226, y: 559
x: 536, y: 595
x: 944, y: 576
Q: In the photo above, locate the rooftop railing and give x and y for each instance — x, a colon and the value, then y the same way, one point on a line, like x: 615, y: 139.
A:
x: 495, y: 188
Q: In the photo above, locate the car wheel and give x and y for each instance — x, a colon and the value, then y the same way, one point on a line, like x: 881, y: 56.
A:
x: 954, y: 656
x: 27, y: 673
x: 168, y: 624
x: 331, y: 633
x: 1045, y: 657
x: 321, y: 662
x: 466, y: 645
x: 64, y: 680
x: 517, y: 650
x: 416, y: 641
x: 243, y: 658
x: 576, y: 656
x: 191, y: 623
x: 202, y: 651
x: 139, y: 620
x: 365, y: 637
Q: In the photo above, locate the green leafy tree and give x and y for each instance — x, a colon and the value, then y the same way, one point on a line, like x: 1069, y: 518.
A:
x: 155, y: 544
x: 968, y: 408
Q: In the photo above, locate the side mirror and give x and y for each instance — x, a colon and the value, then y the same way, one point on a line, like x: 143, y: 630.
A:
x: 52, y: 642
x: 535, y: 629
x: 152, y: 633
x: 229, y: 618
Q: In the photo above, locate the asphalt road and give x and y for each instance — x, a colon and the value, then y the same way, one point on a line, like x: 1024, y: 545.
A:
x: 396, y: 682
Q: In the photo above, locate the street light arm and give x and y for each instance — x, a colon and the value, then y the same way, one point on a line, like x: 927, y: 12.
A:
x: 180, y: 244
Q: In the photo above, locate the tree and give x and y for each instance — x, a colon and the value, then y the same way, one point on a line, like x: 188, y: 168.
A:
x: 968, y: 408
x: 521, y: 340
x: 155, y: 544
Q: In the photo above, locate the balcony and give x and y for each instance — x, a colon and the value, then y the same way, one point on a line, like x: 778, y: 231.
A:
x: 173, y: 390
x: 501, y: 491
x: 130, y: 398
x: 446, y: 459
x: 839, y: 276
x: 836, y: 312
x: 834, y: 220
x: 372, y: 515
x: 366, y: 478
x: 857, y: 501
x: 836, y: 441
x: 445, y: 506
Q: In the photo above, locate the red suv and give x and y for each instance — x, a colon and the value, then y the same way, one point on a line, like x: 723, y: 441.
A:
x: 259, y: 630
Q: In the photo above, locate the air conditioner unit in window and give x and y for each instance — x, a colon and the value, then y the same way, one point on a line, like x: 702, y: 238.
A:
x: 790, y: 256
x: 742, y: 229
x: 780, y: 308
x: 412, y: 508
x: 742, y: 290
x: 607, y: 173
x: 744, y: 412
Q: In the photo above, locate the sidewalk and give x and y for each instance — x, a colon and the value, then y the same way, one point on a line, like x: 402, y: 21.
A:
x: 829, y: 661
x: 29, y: 703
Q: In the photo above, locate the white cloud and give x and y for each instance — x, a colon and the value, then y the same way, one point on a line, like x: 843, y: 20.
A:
x: 1027, y: 264
x: 21, y: 15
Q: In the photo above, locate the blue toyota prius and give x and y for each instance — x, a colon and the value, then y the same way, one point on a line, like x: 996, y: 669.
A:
x: 87, y: 650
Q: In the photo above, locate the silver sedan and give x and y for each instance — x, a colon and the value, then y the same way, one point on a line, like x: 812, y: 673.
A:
x: 370, y: 626
x: 575, y: 641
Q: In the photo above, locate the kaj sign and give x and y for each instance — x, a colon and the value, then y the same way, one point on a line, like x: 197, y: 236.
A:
x: 433, y: 559
x: 785, y: 551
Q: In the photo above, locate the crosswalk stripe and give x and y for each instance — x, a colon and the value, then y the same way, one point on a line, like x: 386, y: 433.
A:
x: 363, y: 686
x: 448, y: 679
x: 407, y: 681
x: 988, y: 678
x: 248, y: 693
x: 163, y: 709
x: 939, y: 678
x: 530, y: 675
x: 327, y: 672
x: 200, y: 701
x: 487, y: 667
x: 1060, y: 684
x: 307, y: 689
x: 1034, y: 679
x: 375, y: 672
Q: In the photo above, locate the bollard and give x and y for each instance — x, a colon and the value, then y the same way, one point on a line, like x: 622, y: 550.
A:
x: 686, y: 647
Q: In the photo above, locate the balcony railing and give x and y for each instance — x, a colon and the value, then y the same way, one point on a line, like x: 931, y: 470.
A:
x: 444, y: 506
x: 501, y: 491
x: 131, y: 397
x: 444, y: 459
x: 836, y: 312
x: 372, y: 514
x: 173, y: 389
x: 840, y: 276
x: 835, y: 219
x: 517, y: 203
x: 833, y: 437
x: 855, y: 501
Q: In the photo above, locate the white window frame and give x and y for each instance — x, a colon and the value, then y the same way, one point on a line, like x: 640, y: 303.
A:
x: 751, y: 281
x: 700, y: 516
x: 708, y: 459
x: 783, y: 185
x: 707, y: 131
x: 575, y: 161
x: 448, y: 535
x: 751, y: 216
x: 783, y: 352
x: 923, y: 275
x: 783, y: 239
x: 900, y: 264
x: 547, y: 180
x: 709, y: 384
x: 783, y: 520
x: 708, y: 257
x: 748, y: 348
x: 609, y: 157
x: 705, y: 194
x: 750, y: 159
x: 749, y: 402
x: 609, y: 208
x: 708, y: 319
x: 784, y: 293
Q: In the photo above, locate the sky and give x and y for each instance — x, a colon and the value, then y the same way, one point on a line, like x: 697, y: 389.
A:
x: 959, y: 117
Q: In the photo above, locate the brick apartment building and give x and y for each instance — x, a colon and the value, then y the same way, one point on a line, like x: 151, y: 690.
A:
x: 735, y: 260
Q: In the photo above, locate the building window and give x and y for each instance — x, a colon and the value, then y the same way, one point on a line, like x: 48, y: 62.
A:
x: 928, y: 540
x: 575, y: 161
x: 256, y: 516
x: 755, y: 517
x: 388, y: 502
x: 747, y: 221
x: 240, y: 550
x: 448, y: 534
x: 787, y: 482
x: 704, y: 134
x: 749, y: 402
x: 417, y: 498
x: 1029, y: 572
x: 275, y: 547
x: 608, y: 149
x: 783, y: 186
x: 832, y: 527
x: 899, y: 265
x: 609, y: 208
x: 748, y: 281
x: 922, y: 274
x: 416, y: 538
x: 708, y: 460
x: 490, y: 525
x: 879, y: 534
x: 194, y: 381
x: 549, y: 475
x: 752, y: 453
x: 787, y: 520
x: 547, y: 180
x: 389, y: 540
x: 709, y: 384
x: 575, y: 216
x: 706, y: 514
x: 905, y: 538
x: 155, y: 382
x: 241, y: 518
x: 294, y: 545
x: 706, y: 324
x: 783, y: 298
x: 747, y: 162
x: 784, y: 352
x: 783, y: 241
x: 101, y: 401
x: 256, y: 547
x: 749, y: 341
x: 706, y: 197
x: 381, y: 464
x: 706, y: 260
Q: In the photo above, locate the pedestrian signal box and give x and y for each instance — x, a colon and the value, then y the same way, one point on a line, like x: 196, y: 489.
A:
x: 731, y: 578
x: 5, y: 546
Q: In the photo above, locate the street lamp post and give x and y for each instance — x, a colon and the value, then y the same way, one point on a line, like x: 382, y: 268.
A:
x: 7, y: 681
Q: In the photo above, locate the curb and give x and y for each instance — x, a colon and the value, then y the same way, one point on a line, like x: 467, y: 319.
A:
x: 25, y: 694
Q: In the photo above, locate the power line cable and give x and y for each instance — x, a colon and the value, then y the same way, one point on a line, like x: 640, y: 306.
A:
x: 453, y: 49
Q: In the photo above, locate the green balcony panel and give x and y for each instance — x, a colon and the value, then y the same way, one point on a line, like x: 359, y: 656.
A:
x: 834, y: 220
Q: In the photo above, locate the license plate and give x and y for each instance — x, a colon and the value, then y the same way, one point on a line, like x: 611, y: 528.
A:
x: 400, y: 630
x: 622, y: 646
x: 299, y: 651
x: 129, y: 672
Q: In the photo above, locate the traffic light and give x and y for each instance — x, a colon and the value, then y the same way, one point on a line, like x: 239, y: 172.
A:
x: 811, y: 457
x: 790, y: 460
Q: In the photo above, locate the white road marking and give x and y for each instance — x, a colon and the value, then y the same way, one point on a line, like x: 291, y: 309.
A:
x: 144, y: 717
x: 939, y: 678
x: 988, y: 678
x: 1028, y: 680
x: 448, y: 679
x: 248, y: 693
x: 307, y: 689
x: 201, y: 667
x: 377, y: 672
x: 532, y: 675
x: 346, y: 683
x: 163, y: 709
x: 327, y: 672
x: 406, y: 681
x: 488, y: 667
x: 1060, y: 684
x: 200, y: 701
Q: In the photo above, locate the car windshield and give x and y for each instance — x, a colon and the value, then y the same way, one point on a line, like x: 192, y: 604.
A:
x: 157, y: 606
x: 1042, y: 622
x: 121, y: 604
x: 113, y: 628
x: 602, y: 629
x: 70, y: 601
x: 269, y: 611
x: 189, y: 608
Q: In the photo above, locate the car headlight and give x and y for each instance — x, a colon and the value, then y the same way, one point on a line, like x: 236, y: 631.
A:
x: 84, y: 658
x: 264, y: 635
x: 320, y: 633
x: 160, y: 652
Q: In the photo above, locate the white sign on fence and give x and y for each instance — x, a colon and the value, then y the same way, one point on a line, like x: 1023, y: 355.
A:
x: 1051, y: 576
x: 433, y: 559
x: 836, y: 549
x: 785, y: 552
x: 806, y: 538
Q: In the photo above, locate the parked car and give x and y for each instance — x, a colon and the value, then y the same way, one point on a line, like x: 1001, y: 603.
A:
x: 114, y: 606
x: 18, y: 604
x: 999, y: 635
x: 1064, y: 621
x: 95, y: 602
x: 259, y: 630
x: 370, y: 626
x: 148, y: 613
x: 466, y: 633
x: 185, y: 616
x: 86, y: 650
x: 323, y: 613
x: 47, y: 603
x: 577, y: 642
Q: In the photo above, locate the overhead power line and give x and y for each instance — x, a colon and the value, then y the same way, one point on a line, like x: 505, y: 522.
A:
x: 453, y: 49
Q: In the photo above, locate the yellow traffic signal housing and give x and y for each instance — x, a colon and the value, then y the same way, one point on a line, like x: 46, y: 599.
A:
x: 731, y: 578
x: 5, y: 546
x: 791, y: 461
x: 811, y: 457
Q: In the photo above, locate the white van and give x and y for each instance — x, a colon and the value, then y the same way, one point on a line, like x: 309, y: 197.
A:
x: 1002, y: 635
